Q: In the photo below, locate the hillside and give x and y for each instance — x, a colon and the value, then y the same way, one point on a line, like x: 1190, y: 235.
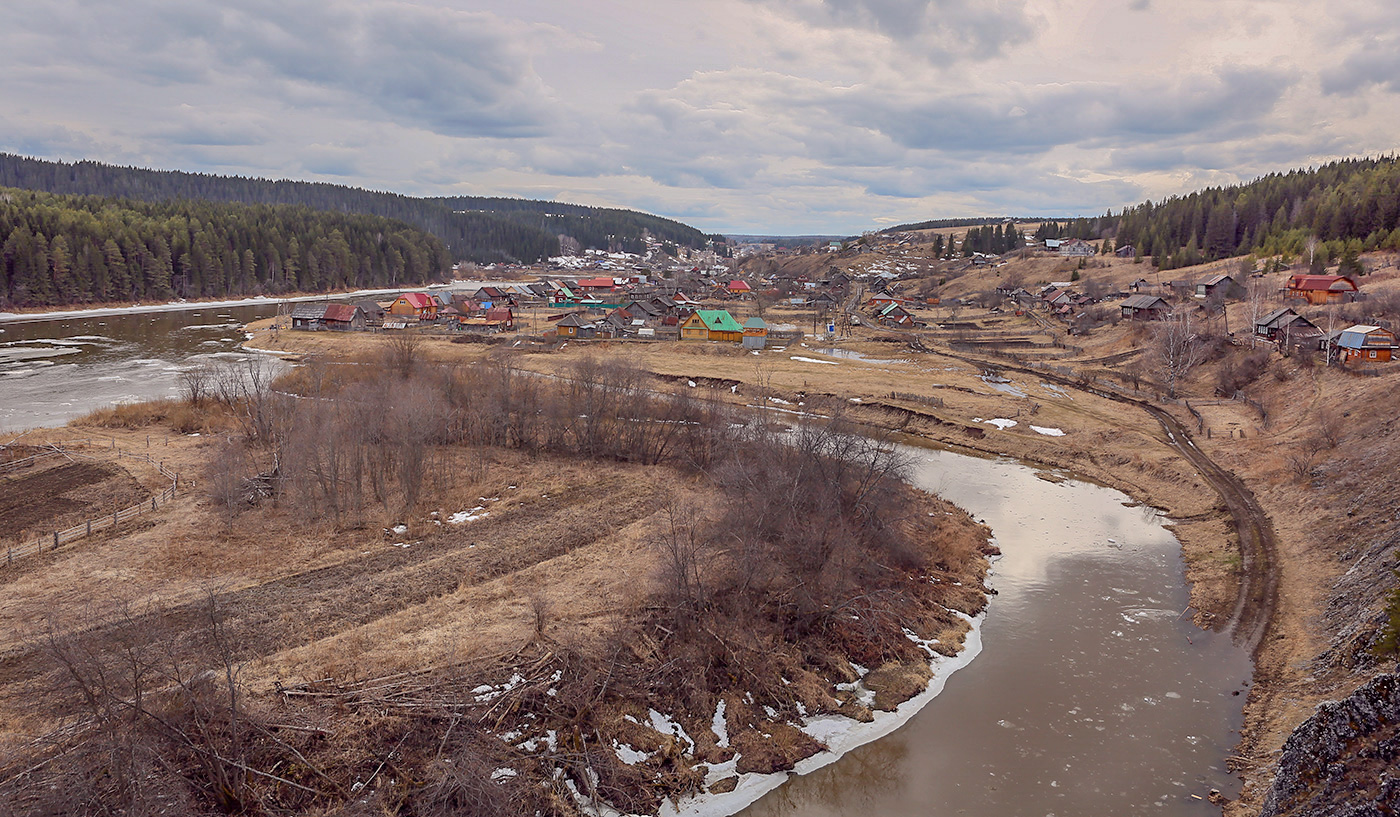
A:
x: 67, y: 249
x: 473, y: 228
x: 1322, y: 216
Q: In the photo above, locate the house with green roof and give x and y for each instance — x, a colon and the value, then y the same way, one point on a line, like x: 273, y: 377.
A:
x: 712, y: 324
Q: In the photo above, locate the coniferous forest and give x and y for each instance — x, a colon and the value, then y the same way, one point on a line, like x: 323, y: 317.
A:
x: 473, y: 228
x: 65, y: 249
x: 1328, y: 214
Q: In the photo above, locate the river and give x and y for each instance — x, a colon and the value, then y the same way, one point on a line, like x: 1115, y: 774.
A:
x: 1093, y: 694
x: 53, y: 370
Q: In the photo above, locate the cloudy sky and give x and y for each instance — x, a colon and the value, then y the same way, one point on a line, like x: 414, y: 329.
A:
x: 781, y: 116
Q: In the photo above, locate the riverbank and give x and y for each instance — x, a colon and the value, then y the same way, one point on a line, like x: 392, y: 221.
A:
x: 510, y: 585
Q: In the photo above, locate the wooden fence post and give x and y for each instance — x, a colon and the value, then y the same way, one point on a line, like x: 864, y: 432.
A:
x: 153, y: 503
x: 89, y: 528
x: 55, y: 540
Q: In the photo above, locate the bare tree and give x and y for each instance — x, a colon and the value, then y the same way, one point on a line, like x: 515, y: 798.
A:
x: 1177, y: 348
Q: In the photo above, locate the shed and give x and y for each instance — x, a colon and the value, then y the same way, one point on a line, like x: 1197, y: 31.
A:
x: 374, y: 313
x: 755, y: 333
x: 344, y: 318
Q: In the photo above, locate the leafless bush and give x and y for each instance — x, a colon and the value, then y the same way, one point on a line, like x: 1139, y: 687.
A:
x: 1300, y: 464
x: 224, y: 479
x: 165, y: 726
x: 1238, y: 372
x: 195, y: 383
x: 465, y: 780
x: 403, y: 353
x: 1331, y: 427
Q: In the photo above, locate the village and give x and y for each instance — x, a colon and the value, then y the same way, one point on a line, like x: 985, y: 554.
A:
x: 774, y: 296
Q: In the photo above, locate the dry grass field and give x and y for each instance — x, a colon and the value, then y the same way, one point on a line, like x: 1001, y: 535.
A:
x: 521, y: 593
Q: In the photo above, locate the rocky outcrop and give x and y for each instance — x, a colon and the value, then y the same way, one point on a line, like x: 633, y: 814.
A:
x: 1343, y: 761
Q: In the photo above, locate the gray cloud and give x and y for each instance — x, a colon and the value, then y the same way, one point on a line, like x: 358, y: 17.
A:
x: 1376, y: 62
x: 941, y: 30
x: 457, y: 73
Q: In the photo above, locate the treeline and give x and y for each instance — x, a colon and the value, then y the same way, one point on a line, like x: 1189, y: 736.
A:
x: 943, y: 223
x: 473, y: 228
x: 1330, y: 213
x: 66, y: 249
x: 992, y: 240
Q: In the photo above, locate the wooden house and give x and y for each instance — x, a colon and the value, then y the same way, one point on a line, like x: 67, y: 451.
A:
x: 1321, y: 289
x: 894, y: 315
x: 740, y: 288
x: 374, y: 313
x: 712, y: 324
x: 1364, y: 342
x: 336, y: 317
x: 414, y: 305
x: 344, y: 318
x: 502, y: 318
x: 575, y: 325
x: 1075, y: 247
x: 308, y: 316
x: 1218, y: 286
x: 1286, y: 326
x: 1145, y: 307
x: 1126, y: 251
x: 755, y: 333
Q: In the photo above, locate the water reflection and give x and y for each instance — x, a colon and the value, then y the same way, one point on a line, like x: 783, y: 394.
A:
x: 54, y: 370
x: 1092, y: 694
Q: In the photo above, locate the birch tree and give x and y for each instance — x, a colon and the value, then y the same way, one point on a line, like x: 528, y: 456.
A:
x: 1177, y: 348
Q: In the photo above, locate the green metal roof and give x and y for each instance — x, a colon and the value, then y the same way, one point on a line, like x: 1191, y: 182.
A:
x: 719, y: 320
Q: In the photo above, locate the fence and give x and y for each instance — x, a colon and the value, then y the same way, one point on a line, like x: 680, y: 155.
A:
x: 54, y: 540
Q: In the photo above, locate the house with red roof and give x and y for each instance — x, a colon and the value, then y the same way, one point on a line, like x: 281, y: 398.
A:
x: 414, y: 305
x: 1321, y: 289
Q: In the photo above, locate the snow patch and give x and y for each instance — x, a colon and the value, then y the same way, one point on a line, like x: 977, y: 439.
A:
x: 814, y: 360
x: 1049, y: 432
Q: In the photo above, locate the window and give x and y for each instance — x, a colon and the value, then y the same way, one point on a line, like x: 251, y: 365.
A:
x: 1373, y: 354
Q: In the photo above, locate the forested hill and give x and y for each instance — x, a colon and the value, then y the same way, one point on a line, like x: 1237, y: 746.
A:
x: 62, y: 250
x: 473, y: 228
x: 1345, y: 207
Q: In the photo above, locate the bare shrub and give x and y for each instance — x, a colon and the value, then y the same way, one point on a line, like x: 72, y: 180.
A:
x: 224, y: 478
x: 1300, y: 464
x: 1238, y: 372
x: 403, y: 353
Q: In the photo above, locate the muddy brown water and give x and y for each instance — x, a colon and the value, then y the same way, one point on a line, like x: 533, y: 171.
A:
x: 1093, y: 694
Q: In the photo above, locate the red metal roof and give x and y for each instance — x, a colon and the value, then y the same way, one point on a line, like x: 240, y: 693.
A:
x: 597, y: 283
x: 499, y: 315
x: 418, y: 300
x: 340, y: 312
x: 1332, y: 283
